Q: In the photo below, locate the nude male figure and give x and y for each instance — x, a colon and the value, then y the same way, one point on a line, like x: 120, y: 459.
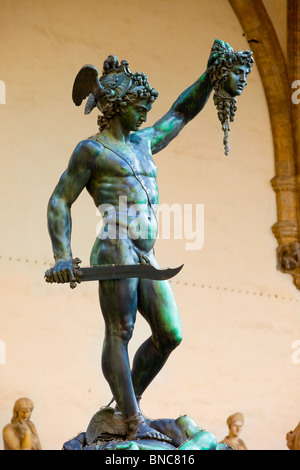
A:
x: 118, y: 162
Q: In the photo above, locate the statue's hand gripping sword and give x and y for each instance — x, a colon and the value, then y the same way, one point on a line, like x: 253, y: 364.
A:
x: 115, y: 271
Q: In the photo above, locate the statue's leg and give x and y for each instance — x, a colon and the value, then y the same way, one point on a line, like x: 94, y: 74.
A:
x: 157, y: 305
x: 118, y: 300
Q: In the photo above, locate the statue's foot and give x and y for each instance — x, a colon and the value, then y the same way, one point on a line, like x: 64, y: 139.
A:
x: 139, y: 429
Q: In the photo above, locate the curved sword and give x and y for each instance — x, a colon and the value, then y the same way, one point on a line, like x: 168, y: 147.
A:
x: 116, y: 271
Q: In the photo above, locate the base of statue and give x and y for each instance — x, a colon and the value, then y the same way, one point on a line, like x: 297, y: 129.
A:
x: 107, y: 430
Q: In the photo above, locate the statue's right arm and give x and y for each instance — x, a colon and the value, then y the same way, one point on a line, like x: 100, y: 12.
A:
x: 70, y: 185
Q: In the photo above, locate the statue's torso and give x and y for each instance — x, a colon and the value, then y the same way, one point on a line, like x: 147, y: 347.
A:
x: 124, y: 187
x: 237, y: 444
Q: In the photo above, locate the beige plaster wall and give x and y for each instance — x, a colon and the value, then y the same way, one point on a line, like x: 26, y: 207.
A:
x: 240, y: 316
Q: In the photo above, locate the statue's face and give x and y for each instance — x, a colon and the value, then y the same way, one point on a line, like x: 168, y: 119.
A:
x: 235, y: 428
x: 24, y: 413
x: 236, y: 80
x: 135, y: 115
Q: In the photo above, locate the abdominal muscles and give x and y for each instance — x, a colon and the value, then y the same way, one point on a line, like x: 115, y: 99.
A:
x: 140, y: 227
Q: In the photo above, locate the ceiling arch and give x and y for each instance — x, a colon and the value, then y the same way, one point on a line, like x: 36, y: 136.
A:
x: 279, y: 75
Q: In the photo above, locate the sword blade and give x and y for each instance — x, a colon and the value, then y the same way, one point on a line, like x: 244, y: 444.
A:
x: 122, y: 271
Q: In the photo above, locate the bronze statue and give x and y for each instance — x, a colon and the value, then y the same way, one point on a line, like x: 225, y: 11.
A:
x: 235, y: 423
x: 107, y: 431
x: 228, y: 75
x: 116, y: 165
x: 21, y: 433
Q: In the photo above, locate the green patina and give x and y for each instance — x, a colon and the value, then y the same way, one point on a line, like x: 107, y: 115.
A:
x: 116, y: 162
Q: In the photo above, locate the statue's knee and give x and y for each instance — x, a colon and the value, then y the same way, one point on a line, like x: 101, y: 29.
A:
x: 122, y: 332
x: 125, y: 332
x: 169, y: 341
x: 177, y: 338
x: 184, y: 421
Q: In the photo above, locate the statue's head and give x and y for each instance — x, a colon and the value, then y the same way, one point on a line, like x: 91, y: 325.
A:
x: 235, y: 423
x: 22, y: 409
x: 124, y: 90
x: 228, y: 71
x: 114, y: 92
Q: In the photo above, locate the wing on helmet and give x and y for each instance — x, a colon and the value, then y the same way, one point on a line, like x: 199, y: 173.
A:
x: 86, y: 83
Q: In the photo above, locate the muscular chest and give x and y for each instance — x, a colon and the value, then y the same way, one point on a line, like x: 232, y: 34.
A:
x: 126, y: 161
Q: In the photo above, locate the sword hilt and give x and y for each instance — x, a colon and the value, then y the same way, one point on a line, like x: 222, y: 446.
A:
x: 49, y: 276
x: 76, y: 266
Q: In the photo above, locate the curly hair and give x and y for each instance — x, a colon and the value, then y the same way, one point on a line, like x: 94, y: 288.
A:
x: 218, y: 72
x: 223, y: 64
x: 140, y: 90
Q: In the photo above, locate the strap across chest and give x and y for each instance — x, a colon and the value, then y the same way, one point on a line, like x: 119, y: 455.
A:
x: 139, y: 178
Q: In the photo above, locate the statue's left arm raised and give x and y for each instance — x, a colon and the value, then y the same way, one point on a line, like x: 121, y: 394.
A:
x: 185, y: 108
